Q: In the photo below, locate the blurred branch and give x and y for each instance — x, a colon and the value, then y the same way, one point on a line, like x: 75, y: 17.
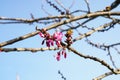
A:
x: 59, y: 3
x: 17, y: 77
x: 23, y: 20
x: 73, y: 2
x: 19, y: 38
x: 106, y: 74
x: 42, y: 7
x: 28, y: 49
x: 114, y: 4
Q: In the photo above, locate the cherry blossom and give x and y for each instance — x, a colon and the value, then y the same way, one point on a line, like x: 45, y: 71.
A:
x: 57, y: 36
x: 48, y: 38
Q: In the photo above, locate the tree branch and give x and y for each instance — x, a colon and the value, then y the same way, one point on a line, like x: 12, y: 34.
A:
x: 72, y: 19
x: 28, y: 49
x: 106, y: 74
x: 62, y: 23
x: 23, y: 20
x: 94, y: 59
x: 18, y: 38
x: 93, y: 31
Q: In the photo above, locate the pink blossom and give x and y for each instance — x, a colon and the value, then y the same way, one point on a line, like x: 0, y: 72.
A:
x: 49, y: 43
x: 58, y: 43
x: 64, y: 53
x: 58, y: 56
x: 61, y: 52
x: 57, y: 36
x: 41, y: 34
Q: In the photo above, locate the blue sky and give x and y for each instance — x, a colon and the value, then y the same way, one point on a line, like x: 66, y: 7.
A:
x: 43, y: 65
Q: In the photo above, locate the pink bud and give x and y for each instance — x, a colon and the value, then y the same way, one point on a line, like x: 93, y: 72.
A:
x: 58, y: 56
x: 41, y: 34
x: 47, y: 43
x: 65, y: 55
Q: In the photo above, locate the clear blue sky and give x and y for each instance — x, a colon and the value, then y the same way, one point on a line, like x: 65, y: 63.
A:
x: 42, y: 65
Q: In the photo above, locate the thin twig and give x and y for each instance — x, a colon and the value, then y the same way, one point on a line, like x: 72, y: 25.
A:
x: 111, y: 59
x: 59, y: 3
x: 42, y: 7
x: 61, y: 74
x: 73, y: 2
x: 88, y: 6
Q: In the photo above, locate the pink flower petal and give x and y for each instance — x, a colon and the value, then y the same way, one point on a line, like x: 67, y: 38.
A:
x: 58, y: 36
x: 58, y: 43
